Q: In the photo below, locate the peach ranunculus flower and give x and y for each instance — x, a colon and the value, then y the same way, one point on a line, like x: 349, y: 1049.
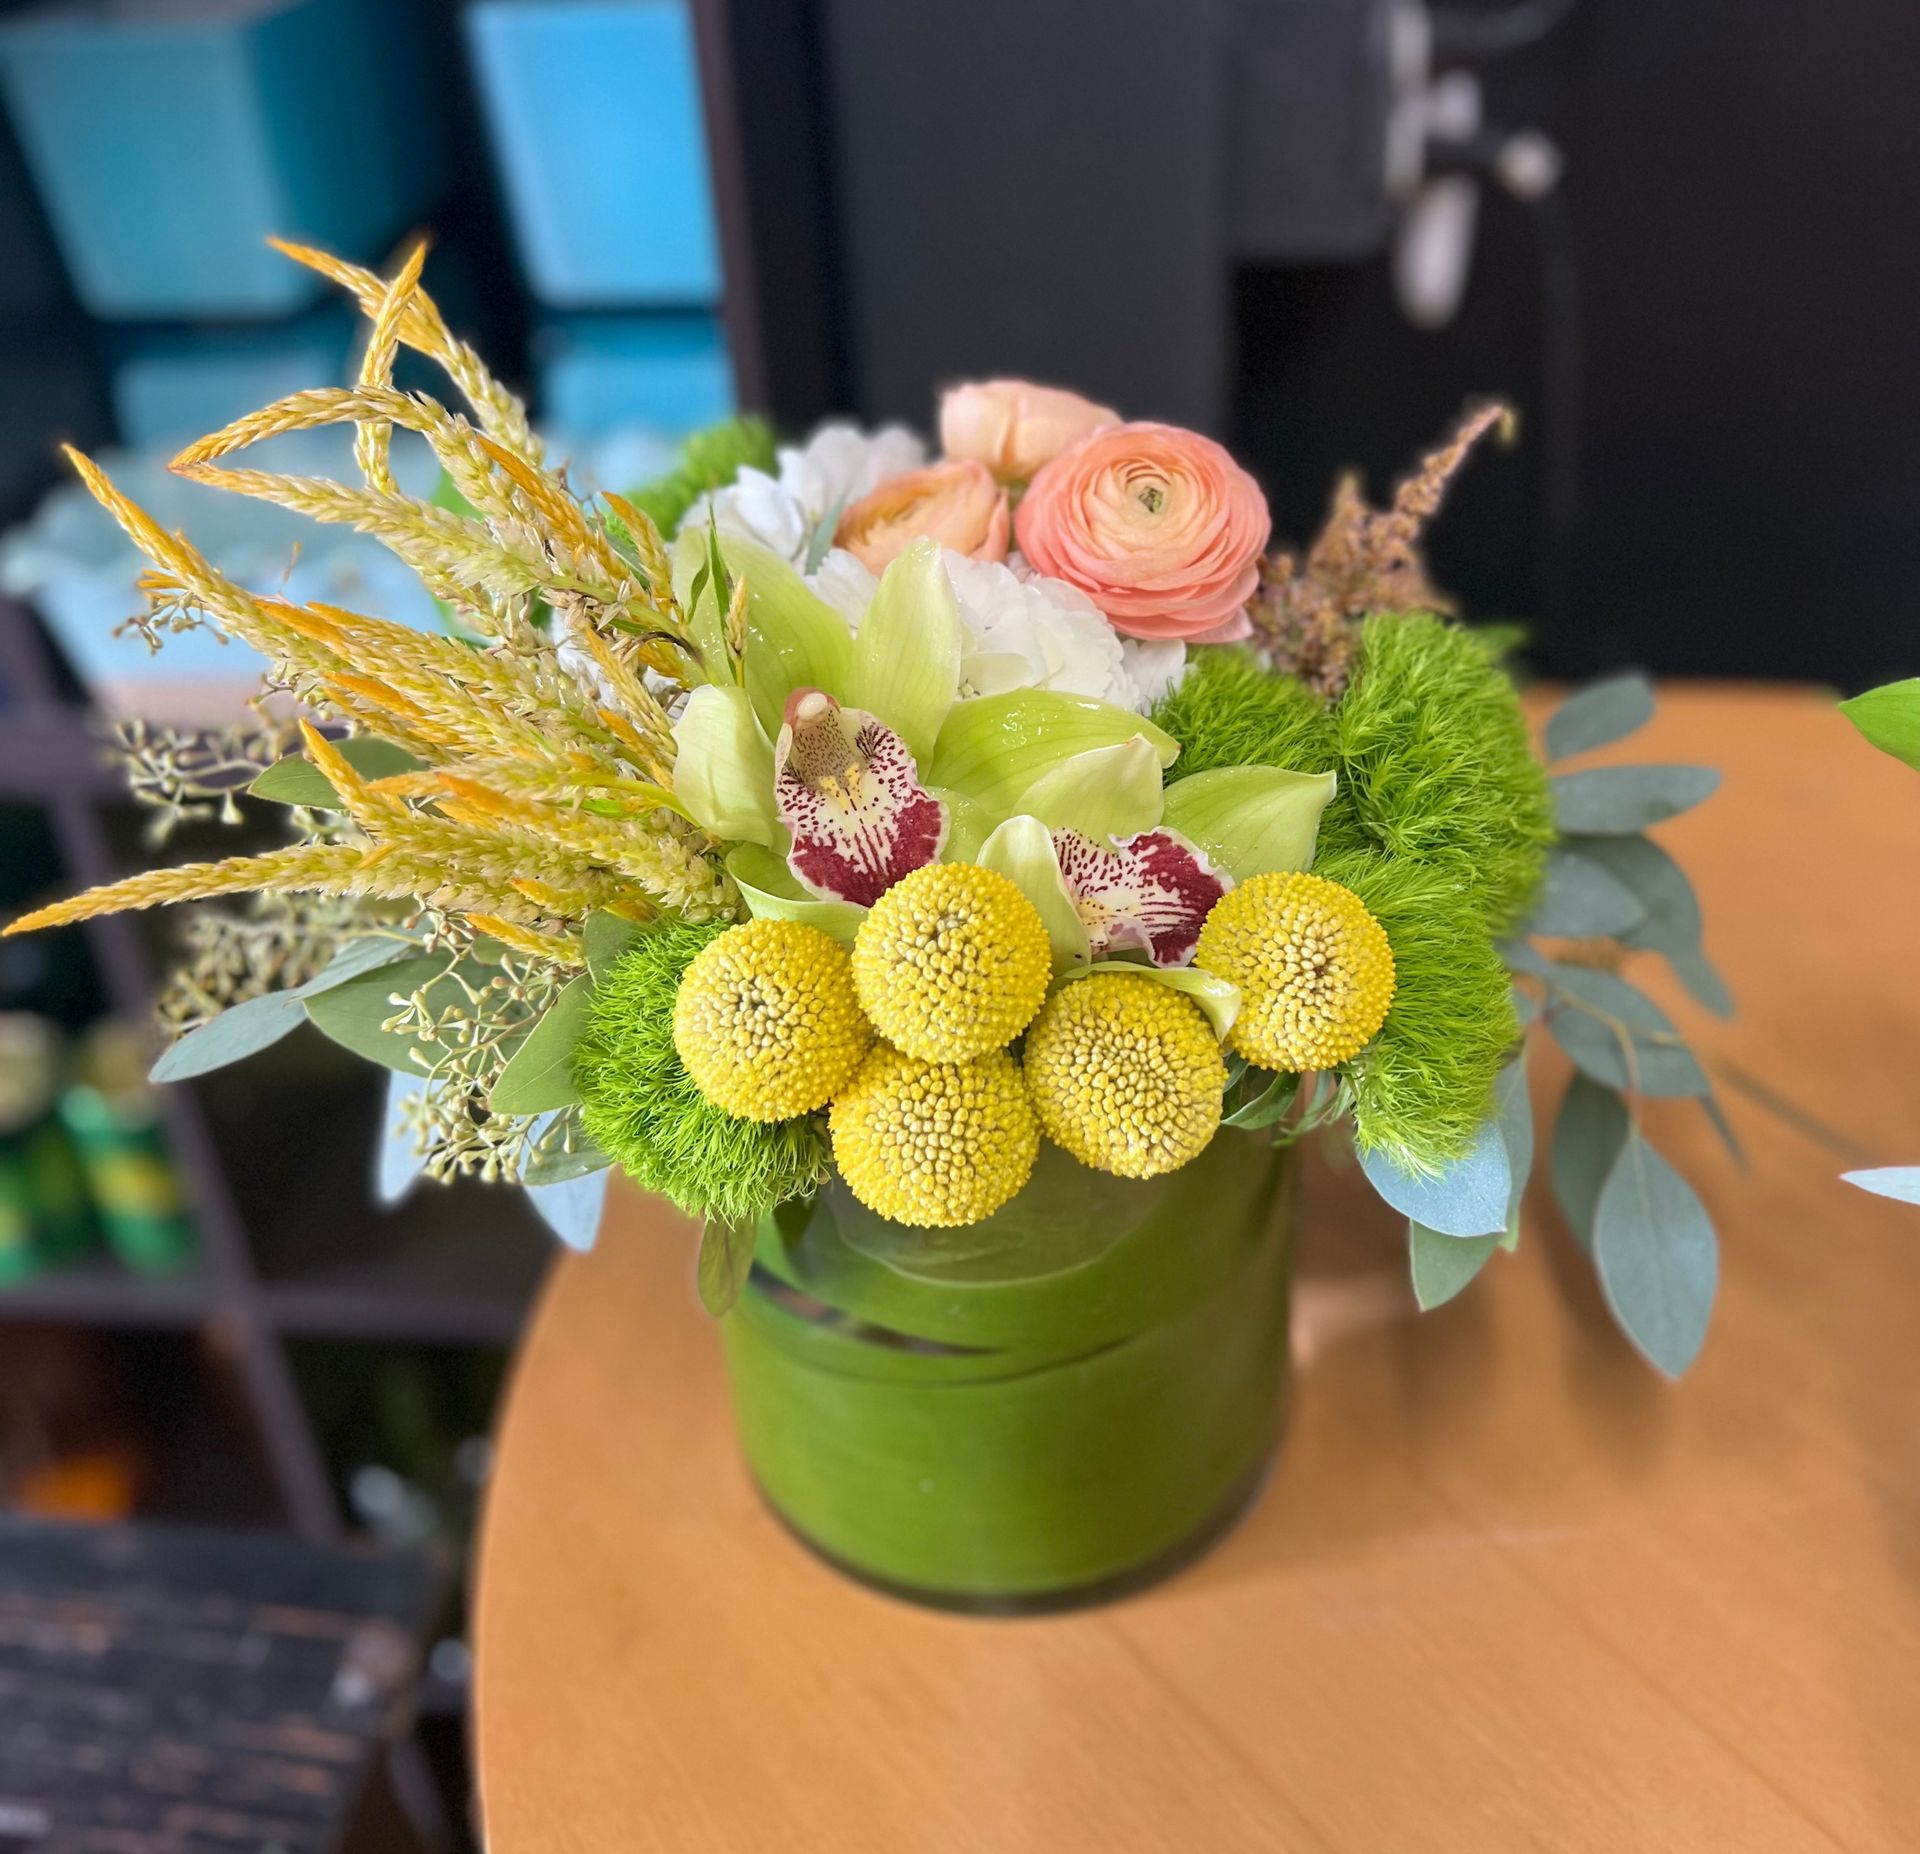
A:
x: 958, y: 504
x: 1015, y: 427
x: 1159, y: 527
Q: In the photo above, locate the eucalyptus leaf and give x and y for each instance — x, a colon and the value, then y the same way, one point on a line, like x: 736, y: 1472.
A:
x: 1617, y: 800
x: 1514, y: 1111
x: 1670, y: 923
x: 295, y: 780
x: 1468, y: 1198
x: 1218, y: 998
x: 356, y: 957
x: 992, y: 747
x: 571, y: 1152
x: 1022, y: 850
x: 606, y: 937
x: 539, y: 1074
x: 572, y: 1208
x: 726, y: 1259
x: 1599, y: 714
x: 1580, y: 898
x: 351, y: 1014
x: 255, y: 1024
x: 1669, y: 911
x: 1587, y: 1138
x: 906, y: 658
x: 1889, y: 717
x: 1596, y: 1016
x: 723, y: 767
x: 238, y: 1032
x: 1702, y: 979
x: 1103, y: 793
x: 1899, y: 1182
x: 399, y: 1160
x: 1519, y: 956
x: 1658, y: 1260
x: 1252, y: 820
x: 1716, y: 1114
x: 1443, y: 1265
x: 772, y: 892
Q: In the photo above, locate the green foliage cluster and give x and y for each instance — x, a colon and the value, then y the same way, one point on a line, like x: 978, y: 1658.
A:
x: 1229, y: 711
x: 640, y: 1106
x: 709, y: 459
x: 1438, y: 763
x: 1423, y: 1087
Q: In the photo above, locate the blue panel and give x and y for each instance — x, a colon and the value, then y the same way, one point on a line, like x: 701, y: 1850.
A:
x: 669, y: 373
x: 594, y: 111
x: 172, y: 387
x: 168, y: 143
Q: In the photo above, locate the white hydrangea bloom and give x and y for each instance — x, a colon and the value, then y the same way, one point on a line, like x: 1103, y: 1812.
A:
x: 1156, y: 666
x: 1036, y: 633
x: 836, y: 466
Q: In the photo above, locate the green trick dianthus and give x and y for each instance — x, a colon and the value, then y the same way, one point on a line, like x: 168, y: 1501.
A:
x: 1424, y: 1085
x: 640, y: 1104
x: 1228, y: 711
x: 1436, y: 761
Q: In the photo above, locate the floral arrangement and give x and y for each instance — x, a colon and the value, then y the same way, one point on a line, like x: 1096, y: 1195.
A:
x: 834, y: 812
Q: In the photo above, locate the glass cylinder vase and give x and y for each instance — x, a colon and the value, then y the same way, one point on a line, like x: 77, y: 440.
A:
x: 1050, y: 1407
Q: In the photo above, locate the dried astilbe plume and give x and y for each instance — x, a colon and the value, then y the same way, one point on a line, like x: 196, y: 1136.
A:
x: 541, y: 793
x: 1307, y: 613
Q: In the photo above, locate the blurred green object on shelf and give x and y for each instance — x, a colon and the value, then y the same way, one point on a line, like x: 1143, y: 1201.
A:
x: 114, y: 1115
x: 43, y: 1199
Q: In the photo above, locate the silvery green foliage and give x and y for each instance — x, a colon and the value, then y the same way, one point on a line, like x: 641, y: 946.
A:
x: 1645, y: 1229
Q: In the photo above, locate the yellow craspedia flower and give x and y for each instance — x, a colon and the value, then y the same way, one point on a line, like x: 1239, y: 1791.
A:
x: 951, y: 962
x: 1125, y: 1074
x: 1314, y: 969
x: 934, y: 1144
x: 766, y: 1022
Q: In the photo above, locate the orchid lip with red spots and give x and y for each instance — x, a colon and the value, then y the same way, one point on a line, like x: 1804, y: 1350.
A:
x: 1147, y: 893
x: 848, y: 789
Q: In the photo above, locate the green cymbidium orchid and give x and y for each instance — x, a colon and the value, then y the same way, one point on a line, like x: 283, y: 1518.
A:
x: 1060, y: 793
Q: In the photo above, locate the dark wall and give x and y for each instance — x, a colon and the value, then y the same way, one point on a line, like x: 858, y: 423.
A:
x: 1743, y: 210
x: 1725, y: 477
x: 49, y: 383
x: 1748, y: 198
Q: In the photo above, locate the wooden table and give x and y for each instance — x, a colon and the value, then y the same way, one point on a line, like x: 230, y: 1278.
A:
x: 1506, y: 1588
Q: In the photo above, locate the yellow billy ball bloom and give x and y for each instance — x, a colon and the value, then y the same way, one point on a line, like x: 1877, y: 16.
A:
x: 951, y: 962
x: 1125, y: 1074
x: 1314, y: 969
x: 766, y: 1022
x: 934, y: 1144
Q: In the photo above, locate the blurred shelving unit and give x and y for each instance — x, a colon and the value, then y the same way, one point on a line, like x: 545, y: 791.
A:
x: 327, y: 1365
x: 291, y: 1246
